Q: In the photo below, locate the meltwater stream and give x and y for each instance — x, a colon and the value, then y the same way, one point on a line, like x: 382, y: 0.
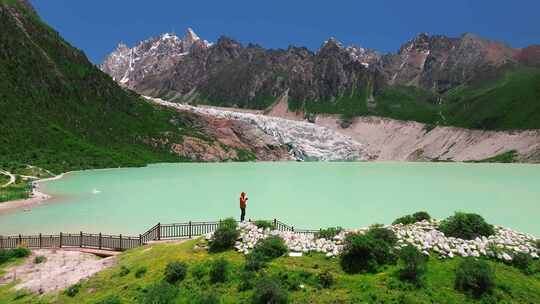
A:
x: 306, y: 195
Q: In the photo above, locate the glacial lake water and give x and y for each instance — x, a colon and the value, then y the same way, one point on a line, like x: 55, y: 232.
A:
x: 306, y: 195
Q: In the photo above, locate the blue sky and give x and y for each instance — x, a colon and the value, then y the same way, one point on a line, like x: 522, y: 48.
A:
x: 97, y: 26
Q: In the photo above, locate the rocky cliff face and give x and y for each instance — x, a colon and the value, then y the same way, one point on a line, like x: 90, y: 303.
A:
x: 440, y: 63
x: 231, y: 74
x: 227, y: 73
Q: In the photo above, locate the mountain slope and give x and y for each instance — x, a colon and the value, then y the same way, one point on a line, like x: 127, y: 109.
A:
x: 416, y: 83
x: 60, y: 112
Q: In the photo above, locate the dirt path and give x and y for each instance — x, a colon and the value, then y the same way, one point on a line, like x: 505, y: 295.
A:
x: 11, y: 178
x: 61, y: 269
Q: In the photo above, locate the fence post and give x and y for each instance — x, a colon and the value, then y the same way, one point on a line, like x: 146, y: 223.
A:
x: 20, y: 240
x: 189, y: 229
x: 159, y: 231
x: 140, y: 240
x: 40, y: 240
x: 99, y: 241
x: 60, y: 239
x: 80, y: 240
x: 121, y: 248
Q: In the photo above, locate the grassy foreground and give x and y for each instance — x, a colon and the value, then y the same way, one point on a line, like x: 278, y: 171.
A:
x: 512, y: 286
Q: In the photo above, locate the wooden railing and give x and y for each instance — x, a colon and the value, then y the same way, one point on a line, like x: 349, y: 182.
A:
x: 121, y: 242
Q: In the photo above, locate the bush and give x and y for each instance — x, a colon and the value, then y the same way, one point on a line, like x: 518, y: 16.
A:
x: 112, y: 299
x: 124, y: 271
x: 380, y: 233
x: 414, y: 263
x: 225, y: 236
x: 199, y: 271
x: 219, y: 271
x: 411, y: 219
x: 160, y: 292
x: 210, y: 297
x: 73, y: 290
x: 405, y: 220
x: 255, y: 260
x: 522, y: 261
x: 20, y: 252
x: 269, y: 291
x: 271, y: 247
x: 466, y: 226
x: 175, y: 272
x: 39, y: 259
x: 328, y: 233
x: 8, y: 254
x: 140, y: 272
x: 475, y: 277
x: 247, y: 280
x: 326, y: 279
x: 366, y: 252
x: 264, y: 224
x: 421, y: 216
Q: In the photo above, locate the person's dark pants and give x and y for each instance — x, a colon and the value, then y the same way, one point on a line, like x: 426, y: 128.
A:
x: 242, y: 214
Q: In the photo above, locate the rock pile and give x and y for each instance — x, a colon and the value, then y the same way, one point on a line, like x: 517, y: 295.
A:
x: 424, y: 235
x: 502, y: 245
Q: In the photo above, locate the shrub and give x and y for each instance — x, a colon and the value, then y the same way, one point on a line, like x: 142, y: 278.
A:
x: 20, y: 252
x: 475, y: 277
x: 73, y: 290
x: 255, y: 260
x: 225, y: 236
x: 175, y: 272
x: 112, y: 299
x: 466, y: 226
x: 328, y: 233
x: 209, y: 297
x: 537, y: 243
x: 290, y: 279
x: 269, y: 291
x: 421, y: 216
x: 522, y: 261
x: 414, y: 263
x: 264, y: 224
x: 326, y: 279
x: 219, y: 271
x: 366, y: 252
x: 39, y: 259
x: 405, y: 220
x: 271, y: 247
x: 247, y: 280
x: 380, y: 233
x: 198, y: 271
x: 124, y: 271
x: 140, y: 272
x: 160, y: 292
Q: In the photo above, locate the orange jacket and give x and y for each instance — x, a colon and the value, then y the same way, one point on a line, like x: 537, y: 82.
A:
x: 243, y: 201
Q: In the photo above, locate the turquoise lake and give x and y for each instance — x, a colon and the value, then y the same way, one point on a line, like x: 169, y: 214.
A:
x: 306, y: 195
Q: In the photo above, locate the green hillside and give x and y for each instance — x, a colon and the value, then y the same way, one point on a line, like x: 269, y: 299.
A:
x: 139, y: 269
x: 58, y: 111
x: 511, y: 102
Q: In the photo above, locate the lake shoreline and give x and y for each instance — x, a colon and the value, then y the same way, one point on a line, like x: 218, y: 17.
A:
x: 37, y: 197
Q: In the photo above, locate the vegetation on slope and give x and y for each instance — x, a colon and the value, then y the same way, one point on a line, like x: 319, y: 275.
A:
x: 59, y: 112
x: 438, y: 279
x: 510, y: 102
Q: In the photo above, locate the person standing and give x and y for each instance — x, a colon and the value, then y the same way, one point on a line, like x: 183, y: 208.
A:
x: 243, y: 204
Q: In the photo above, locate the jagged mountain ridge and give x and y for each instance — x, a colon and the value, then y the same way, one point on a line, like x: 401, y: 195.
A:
x: 432, y: 62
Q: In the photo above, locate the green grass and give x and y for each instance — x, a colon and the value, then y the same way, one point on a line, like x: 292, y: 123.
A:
x: 384, y: 287
x: 511, y: 102
x: 505, y: 157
